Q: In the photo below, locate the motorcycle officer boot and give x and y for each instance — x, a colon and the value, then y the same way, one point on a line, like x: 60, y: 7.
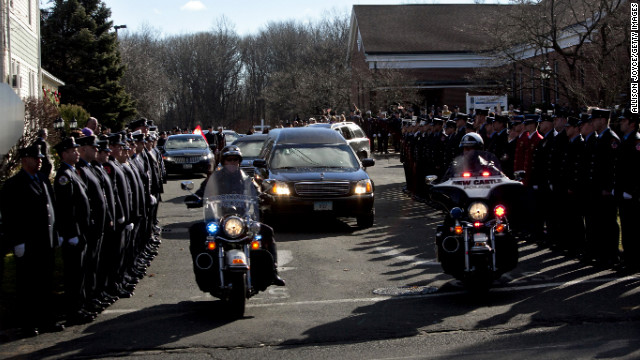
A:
x: 277, y: 280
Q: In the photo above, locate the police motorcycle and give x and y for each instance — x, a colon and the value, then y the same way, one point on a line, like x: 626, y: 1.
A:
x: 475, y: 244
x: 229, y: 261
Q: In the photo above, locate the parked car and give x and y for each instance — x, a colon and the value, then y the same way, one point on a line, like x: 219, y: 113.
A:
x: 187, y: 153
x: 354, y: 135
x: 250, y: 147
x: 314, y: 170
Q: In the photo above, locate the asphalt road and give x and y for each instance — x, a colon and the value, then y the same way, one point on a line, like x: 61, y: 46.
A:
x: 360, y: 294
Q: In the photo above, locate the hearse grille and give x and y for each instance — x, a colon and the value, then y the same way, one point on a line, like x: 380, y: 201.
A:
x: 322, y: 188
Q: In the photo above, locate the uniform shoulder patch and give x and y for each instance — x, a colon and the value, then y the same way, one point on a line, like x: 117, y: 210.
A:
x: 63, y: 180
x: 614, y: 143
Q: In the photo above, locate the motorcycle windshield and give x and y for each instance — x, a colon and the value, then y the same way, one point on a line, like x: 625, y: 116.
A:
x: 474, y: 163
x: 230, y: 193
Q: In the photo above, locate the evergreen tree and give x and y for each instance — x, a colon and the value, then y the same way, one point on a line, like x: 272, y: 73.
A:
x: 80, y: 48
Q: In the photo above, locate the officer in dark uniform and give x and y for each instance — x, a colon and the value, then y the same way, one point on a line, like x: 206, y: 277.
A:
x: 541, y: 176
x: 113, y: 234
x: 608, y: 147
x: 571, y: 181
x: 452, y: 149
x: 100, y: 216
x: 558, y: 183
x: 47, y: 161
x: 590, y: 195
x: 26, y: 203
x: 627, y: 189
x: 438, y: 144
x: 500, y: 140
x: 420, y: 167
x: 124, y: 193
x: 479, y: 123
x: 73, y: 223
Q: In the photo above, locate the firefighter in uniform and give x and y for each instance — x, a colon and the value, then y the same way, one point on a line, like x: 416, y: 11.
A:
x: 628, y: 189
x: 607, y: 149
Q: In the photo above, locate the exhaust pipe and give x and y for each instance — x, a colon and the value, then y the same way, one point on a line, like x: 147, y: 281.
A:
x: 451, y: 244
x: 204, y: 261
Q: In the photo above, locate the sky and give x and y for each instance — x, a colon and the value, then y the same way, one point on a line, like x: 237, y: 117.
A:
x: 177, y: 17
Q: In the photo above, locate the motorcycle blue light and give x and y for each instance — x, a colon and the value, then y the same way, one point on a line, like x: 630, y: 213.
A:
x: 456, y: 213
x: 212, y: 228
x: 257, y: 237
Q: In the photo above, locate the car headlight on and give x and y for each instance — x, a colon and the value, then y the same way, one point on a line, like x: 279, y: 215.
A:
x: 478, y: 211
x: 234, y: 227
x: 206, y: 157
x: 280, y: 188
x: 363, y: 187
x: 167, y: 158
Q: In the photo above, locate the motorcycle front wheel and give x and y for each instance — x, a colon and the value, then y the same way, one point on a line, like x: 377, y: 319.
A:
x: 238, y: 296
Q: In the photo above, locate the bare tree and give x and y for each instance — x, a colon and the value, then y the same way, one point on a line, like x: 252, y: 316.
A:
x: 578, y: 47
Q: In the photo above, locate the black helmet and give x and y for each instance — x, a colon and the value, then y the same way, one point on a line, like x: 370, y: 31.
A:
x: 231, y: 150
x: 472, y: 140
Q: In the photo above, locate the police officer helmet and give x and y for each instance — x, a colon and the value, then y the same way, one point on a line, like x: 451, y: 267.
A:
x: 472, y: 140
x: 229, y: 151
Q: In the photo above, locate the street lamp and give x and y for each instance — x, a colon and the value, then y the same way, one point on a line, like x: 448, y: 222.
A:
x: 73, y: 123
x: 545, y: 75
x: 116, y: 27
x: 58, y: 124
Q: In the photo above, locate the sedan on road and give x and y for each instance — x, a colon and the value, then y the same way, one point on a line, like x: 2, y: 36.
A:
x: 187, y: 153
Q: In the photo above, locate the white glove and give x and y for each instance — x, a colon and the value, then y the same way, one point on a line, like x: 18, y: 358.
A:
x: 626, y: 196
x: 551, y: 187
x: 18, y: 250
x: 374, y: 135
x: 613, y: 192
x: 153, y: 200
x: 389, y: 134
x: 535, y: 187
x: 379, y: 135
x: 129, y: 227
x: 73, y: 241
x: 121, y: 220
x: 60, y: 241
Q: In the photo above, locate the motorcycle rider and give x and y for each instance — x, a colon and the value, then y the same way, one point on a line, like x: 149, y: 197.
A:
x: 230, y: 179
x: 473, y: 158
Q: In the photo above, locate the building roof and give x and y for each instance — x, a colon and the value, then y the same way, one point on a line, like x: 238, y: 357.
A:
x: 422, y: 29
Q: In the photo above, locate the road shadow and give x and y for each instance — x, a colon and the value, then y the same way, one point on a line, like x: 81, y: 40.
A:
x: 149, y: 328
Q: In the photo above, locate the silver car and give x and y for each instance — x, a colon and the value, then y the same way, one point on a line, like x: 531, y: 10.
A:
x: 354, y: 135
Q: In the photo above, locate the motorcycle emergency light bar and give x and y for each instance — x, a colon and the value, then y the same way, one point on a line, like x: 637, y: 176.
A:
x: 486, y: 174
x: 458, y: 230
x: 477, y: 224
x: 466, y: 174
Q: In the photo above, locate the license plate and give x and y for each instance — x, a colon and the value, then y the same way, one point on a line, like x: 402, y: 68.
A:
x: 323, y: 205
x: 187, y: 166
x: 480, y: 237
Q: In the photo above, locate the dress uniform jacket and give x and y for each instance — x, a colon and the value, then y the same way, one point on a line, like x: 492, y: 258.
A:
x: 607, y: 149
x: 558, y: 158
x: 27, y: 208
x: 628, y: 193
x: 97, y: 199
x: 541, y: 167
x: 72, y: 220
x: 498, y: 146
x: 72, y: 204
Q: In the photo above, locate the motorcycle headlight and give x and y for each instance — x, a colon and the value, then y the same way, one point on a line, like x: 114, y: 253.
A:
x: 478, y: 211
x: 234, y: 227
x: 363, y: 187
x: 280, y: 188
